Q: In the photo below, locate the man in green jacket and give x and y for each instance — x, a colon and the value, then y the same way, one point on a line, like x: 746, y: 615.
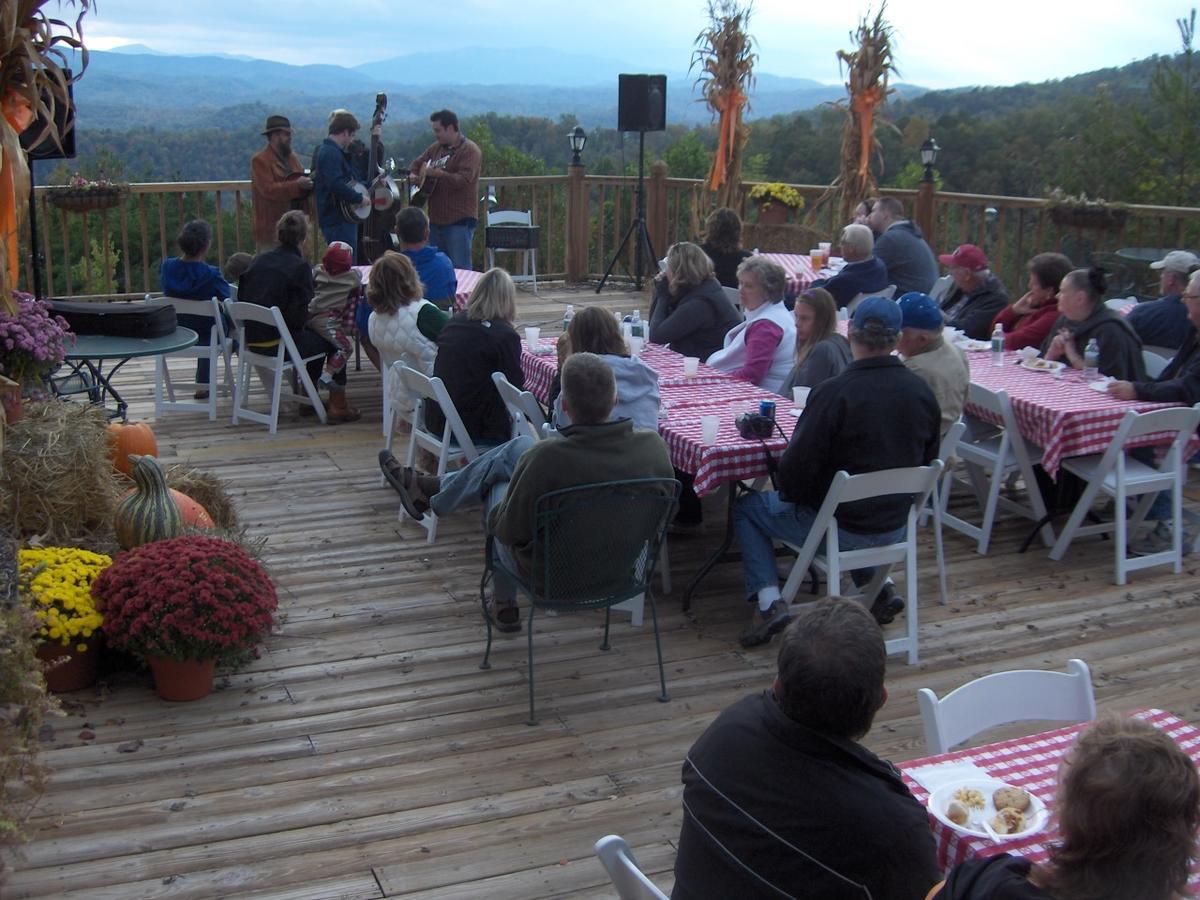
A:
x: 509, y: 479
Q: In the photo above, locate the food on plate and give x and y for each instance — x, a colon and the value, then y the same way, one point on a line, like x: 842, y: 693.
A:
x: 970, y: 798
x: 957, y: 813
x: 1008, y: 821
x: 1011, y: 798
x: 1039, y: 363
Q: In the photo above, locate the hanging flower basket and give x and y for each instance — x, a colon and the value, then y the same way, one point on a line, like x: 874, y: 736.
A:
x: 87, y: 199
x: 1108, y: 218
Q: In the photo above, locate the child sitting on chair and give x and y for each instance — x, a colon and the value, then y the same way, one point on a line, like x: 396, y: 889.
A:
x: 331, y: 310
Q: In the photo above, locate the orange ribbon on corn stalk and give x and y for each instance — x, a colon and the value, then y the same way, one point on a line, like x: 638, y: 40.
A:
x: 864, y: 104
x: 729, y: 105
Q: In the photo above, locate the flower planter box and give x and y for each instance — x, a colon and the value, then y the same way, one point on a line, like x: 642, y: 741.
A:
x: 1097, y: 217
x: 84, y: 200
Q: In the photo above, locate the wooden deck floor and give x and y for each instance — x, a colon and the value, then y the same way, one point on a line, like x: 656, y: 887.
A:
x: 366, y: 754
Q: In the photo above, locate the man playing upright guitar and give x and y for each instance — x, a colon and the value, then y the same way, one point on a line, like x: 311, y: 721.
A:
x: 277, y: 181
x: 335, y: 183
x: 448, y: 172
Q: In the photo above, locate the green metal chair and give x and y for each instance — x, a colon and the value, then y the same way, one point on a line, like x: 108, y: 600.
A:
x: 596, y: 545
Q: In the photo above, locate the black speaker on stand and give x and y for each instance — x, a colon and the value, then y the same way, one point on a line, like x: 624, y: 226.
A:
x: 38, y: 145
x: 641, y: 107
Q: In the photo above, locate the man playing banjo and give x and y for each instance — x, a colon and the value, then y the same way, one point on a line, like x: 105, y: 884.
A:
x: 337, y: 185
x: 448, y: 174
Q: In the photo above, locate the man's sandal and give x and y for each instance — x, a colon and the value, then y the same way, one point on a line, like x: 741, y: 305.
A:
x: 504, y: 618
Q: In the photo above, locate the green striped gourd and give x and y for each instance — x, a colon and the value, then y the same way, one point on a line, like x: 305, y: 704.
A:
x: 149, y: 513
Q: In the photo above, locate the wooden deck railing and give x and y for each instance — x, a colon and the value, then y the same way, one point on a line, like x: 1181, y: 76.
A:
x: 583, y: 219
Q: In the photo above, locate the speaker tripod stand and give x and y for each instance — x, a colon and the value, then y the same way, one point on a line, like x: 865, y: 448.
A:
x: 643, y: 252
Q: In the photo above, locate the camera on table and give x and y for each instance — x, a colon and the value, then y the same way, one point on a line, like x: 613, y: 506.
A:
x: 755, y: 425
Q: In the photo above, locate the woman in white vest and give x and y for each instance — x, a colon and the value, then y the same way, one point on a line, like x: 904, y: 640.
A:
x: 761, y: 348
x: 403, y: 326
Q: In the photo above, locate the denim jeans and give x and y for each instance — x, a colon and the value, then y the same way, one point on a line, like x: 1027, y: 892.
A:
x: 346, y: 232
x: 455, y: 241
x: 759, y: 518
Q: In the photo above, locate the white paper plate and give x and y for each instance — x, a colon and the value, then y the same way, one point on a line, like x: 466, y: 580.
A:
x: 1043, y: 365
x: 796, y: 411
x: 1101, y: 386
x: 1036, y: 817
x: 972, y: 344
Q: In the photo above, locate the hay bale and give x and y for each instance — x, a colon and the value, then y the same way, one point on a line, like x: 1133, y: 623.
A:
x: 208, y: 490
x: 57, y: 478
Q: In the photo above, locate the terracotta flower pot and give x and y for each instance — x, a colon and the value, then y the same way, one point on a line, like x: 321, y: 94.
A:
x: 774, y: 213
x: 77, y: 670
x: 182, y: 680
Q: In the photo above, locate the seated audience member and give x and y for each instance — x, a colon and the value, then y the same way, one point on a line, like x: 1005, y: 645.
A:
x: 760, y: 348
x: 976, y: 297
x: 1084, y: 316
x: 472, y: 346
x: 940, y: 364
x: 723, y: 244
x: 237, y: 264
x: 1164, y: 322
x: 863, y: 273
x: 594, y: 330
x: 404, y: 327
x: 690, y: 310
x: 282, y: 277
x: 433, y: 266
x: 862, y: 212
x: 1128, y: 808
x: 337, y: 286
x: 820, y: 351
x: 595, y: 448
x: 910, y: 263
x: 1027, y: 321
x: 190, y: 277
x: 780, y: 798
x: 875, y: 415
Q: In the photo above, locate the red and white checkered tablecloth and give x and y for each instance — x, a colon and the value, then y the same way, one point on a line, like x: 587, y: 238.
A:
x: 685, y: 401
x: 798, y: 267
x: 467, y: 279
x: 1032, y: 763
x: 1063, y: 416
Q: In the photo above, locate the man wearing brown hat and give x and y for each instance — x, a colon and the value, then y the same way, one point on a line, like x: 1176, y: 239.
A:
x: 278, y: 183
x: 976, y: 296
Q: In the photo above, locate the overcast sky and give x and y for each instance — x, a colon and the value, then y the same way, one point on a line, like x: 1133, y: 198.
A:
x: 939, y: 43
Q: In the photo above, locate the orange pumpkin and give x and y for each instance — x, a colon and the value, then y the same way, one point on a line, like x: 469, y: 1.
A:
x: 125, y: 438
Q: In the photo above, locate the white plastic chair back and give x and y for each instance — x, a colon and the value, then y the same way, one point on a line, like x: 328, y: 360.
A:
x: 622, y: 868
x: 1005, y: 697
x: 1154, y: 363
x: 946, y: 454
x: 281, y: 360
x: 887, y: 292
x: 522, y: 407
x: 528, y: 256
x: 451, y: 445
x: 845, y: 488
x: 734, y: 296
x: 219, y: 349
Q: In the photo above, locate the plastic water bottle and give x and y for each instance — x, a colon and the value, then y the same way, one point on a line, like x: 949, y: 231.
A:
x: 636, y: 322
x: 998, y: 345
x: 568, y: 315
x: 1091, y: 360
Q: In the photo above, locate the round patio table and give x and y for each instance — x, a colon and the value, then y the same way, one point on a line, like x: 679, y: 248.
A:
x: 87, y: 359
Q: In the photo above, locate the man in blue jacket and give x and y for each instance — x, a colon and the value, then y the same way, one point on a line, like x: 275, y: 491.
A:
x: 434, y: 267
x: 1164, y: 322
x: 333, y: 177
x: 910, y: 263
x: 863, y: 273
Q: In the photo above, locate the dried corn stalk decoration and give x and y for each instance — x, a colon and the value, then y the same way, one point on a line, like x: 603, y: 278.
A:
x: 32, y: 83
x: 725, y: 58
x: 868, y: 68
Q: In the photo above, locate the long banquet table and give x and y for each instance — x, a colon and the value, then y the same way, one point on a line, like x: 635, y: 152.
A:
x: 799, y: 270
x: 1031, y: 763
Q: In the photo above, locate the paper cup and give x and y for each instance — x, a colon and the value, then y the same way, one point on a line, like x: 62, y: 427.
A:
x: 691, y: 365
x: 709, y: 426
x: 531, y: 338
x: 826, y: 249
x: 800, y: 395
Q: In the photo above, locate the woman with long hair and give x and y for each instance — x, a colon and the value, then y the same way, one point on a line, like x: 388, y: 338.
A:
x: 690, y: 310
x: 1128, y: 809
x: 723, y: 244
x: 820, y: 351
x: 1084, y: 317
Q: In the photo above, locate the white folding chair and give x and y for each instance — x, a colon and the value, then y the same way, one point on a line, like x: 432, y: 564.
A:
x: 522, y: 406
x: 1153, y: 362
x: 1002, y: 454
x: 219, y: 349
x: 283, y: 360
x: 1119, y: 476
x: 528, y: 254
x: 631, y: 883
x: 452, y: 445
x: 1005, y: 697
x: 860, y: 297
x: 946, y: 454
x: 846, y: 488
x: 734, y: 296
x: 392, y: 391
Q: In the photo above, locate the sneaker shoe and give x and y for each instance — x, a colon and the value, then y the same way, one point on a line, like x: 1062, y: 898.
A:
x: 765, y: 625
x: 887, y: 605
x: 1158, y: 540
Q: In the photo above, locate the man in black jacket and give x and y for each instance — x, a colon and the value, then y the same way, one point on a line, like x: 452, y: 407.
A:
x: 875, y: 415
x: 780, y: 799
x: 976, y: 296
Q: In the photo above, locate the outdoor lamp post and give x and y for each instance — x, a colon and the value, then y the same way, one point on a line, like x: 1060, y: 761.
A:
x: 924, y: 206
x: 578, y: 140
x: 929, y: 155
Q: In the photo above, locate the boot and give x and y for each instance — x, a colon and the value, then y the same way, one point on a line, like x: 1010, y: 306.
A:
x: 339, y: 410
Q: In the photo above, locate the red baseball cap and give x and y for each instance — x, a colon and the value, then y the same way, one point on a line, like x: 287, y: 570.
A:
x: 966, y: 256
x: 337, y: 258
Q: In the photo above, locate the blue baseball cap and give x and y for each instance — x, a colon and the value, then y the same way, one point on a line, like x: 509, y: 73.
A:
x: 879, y: 309
x: 919, y: 310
